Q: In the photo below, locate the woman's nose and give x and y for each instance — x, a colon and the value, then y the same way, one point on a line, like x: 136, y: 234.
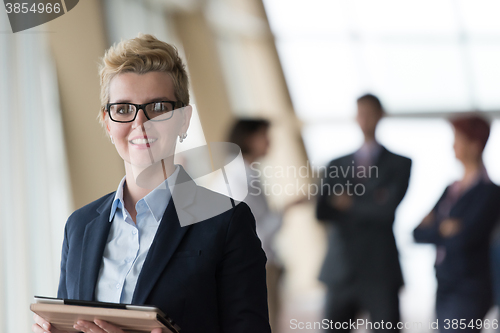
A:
x: 140, y: 118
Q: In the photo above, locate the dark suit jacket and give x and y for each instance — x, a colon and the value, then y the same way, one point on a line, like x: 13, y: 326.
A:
x: 466, y: 266
x: 361, y: 242
x: 208, y: 276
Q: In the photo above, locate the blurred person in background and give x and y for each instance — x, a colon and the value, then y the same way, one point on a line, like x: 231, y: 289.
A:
x: 201, y: 265
x: 495, y: 265
x: 252, y: 136
x: 460, y: 225
x: 358, y: 201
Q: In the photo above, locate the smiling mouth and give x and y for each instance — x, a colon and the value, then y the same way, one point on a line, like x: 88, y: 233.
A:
x: 142, y: 141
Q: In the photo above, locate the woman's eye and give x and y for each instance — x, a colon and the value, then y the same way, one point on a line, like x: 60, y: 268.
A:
x: 158, y: 107
x: 124, y: 110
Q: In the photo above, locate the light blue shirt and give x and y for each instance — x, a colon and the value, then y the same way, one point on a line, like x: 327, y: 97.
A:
x: 128, y: 243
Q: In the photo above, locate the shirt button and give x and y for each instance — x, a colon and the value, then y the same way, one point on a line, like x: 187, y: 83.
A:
x: 117, y: 286
x: 134, y: 232
x: 128, y: 260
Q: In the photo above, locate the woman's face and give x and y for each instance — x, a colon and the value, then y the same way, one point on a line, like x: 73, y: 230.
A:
x: 144, y: 142
x: 259, y: 143
x: 465, y: 149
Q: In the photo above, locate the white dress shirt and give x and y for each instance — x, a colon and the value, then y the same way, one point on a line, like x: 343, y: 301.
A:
x: 367, y: 154
x: 267, y: 222
x: 128, y: 243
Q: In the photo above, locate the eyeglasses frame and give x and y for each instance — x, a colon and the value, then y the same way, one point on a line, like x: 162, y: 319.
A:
x: 143, y: 108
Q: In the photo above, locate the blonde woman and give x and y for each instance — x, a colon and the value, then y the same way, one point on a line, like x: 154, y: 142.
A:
x: 158, y: 240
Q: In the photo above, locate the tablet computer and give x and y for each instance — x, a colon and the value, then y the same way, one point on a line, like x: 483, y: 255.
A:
x: 64, y: 313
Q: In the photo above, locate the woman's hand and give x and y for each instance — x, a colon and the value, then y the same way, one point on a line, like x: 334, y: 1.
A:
x: 101, y: 326
x: 43, y: 326
x: 450, y: 227
x: 428, y: 220
x: 341, y: 202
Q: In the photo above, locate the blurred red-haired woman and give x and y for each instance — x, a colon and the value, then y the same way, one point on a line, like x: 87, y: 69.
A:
x: 460, y: 225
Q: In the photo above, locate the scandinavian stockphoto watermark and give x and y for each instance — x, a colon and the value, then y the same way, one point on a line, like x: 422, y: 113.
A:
x: 331, y: 180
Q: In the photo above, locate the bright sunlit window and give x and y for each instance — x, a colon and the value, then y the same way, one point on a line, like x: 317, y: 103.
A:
x: 417, y: 56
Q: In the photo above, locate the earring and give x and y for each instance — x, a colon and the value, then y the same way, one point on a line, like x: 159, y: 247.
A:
x: 182, y: 137
x: 111, y: 137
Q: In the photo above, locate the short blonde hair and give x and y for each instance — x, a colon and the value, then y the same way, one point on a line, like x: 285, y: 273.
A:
x: 141, y: 55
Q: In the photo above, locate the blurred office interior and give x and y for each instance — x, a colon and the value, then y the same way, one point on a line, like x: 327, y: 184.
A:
x: 300, y: 64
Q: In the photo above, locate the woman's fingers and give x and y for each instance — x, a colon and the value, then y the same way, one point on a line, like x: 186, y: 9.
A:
x: 98, y: 326
x: 42, y: 322
x: 88, y: 327
x: 107, y: 327
x: 43, y: 326
x: 37, y: 329
x: 450, y: 227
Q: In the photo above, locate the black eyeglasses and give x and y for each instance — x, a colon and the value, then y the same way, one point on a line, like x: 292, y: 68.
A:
x: 154, y: 111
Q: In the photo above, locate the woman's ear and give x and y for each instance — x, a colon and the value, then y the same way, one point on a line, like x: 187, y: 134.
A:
x: 187, y: 112
x: 105, y: 121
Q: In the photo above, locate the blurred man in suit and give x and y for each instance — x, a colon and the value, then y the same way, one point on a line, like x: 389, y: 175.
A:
x: 359, y: 197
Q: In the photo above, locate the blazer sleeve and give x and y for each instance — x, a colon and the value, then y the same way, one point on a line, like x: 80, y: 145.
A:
x: 324, y: 210
x: 430, y: 232
x: 241, y: 277
x: 62, y: 291
x: 476, y: 222
x: 380, y: 210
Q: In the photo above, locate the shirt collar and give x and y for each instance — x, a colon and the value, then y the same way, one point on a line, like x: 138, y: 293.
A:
x: 156, y: 200
x: 118, y: 200
x: 369, y: 151
x: 370, y: 148
x: 481, y: 177
x: 484, y: 175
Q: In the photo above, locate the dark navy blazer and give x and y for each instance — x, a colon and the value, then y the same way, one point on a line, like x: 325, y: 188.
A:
x: 465, y: 268
x: 361, y: 244
x: 208, y: 276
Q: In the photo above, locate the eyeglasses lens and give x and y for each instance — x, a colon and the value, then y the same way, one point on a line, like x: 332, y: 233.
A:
x: 159, y: 111
x: 156, y: 111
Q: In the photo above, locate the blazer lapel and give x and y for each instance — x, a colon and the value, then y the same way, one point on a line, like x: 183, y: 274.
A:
x: 167, y: 238
x: 94, y: 242
x: 374, y: 180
